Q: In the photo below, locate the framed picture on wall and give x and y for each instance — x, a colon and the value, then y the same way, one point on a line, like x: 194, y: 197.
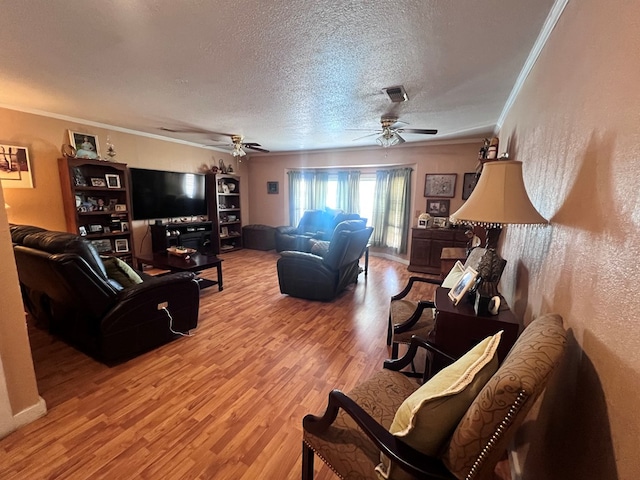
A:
x: 15, y: 168
x: 440, y: 185
x: 272, y: 188
x: 438, y: 207
x: 470, y: 180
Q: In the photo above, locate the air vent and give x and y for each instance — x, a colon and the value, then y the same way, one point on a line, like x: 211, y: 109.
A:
x: 397, y: 94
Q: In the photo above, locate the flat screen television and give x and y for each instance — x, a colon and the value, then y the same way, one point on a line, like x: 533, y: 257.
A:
x: 161, y: 194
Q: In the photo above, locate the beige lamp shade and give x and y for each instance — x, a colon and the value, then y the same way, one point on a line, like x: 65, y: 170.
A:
x: 499, y: 198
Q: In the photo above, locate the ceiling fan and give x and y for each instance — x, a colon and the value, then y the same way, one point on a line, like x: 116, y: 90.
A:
x: 236, y: 141
x: 391, y: 130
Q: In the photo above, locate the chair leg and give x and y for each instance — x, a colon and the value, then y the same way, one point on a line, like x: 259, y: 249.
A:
x: 394, y: 351
x: 307, y: 462
x: 389, y: 332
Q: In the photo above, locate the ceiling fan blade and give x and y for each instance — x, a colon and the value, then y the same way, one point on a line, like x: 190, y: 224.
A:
x: 398, y: 125
x: 252, y: 147
x: 365, y: 136
x: 251, y: 144
x: 418, y: 130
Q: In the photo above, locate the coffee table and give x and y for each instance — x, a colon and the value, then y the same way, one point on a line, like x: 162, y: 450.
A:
x: 193, y: 263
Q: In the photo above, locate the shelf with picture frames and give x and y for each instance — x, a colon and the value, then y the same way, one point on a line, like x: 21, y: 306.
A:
x: 97, y: 204
x: 225, y: 210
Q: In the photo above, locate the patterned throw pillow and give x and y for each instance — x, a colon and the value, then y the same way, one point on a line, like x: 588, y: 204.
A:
x: 428, y: 417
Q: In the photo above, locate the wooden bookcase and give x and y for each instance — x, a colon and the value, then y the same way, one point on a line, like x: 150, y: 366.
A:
x: 224, y: 210
x: 97, y: 204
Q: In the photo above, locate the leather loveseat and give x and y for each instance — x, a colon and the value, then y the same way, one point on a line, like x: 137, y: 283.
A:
x: 324, y: 275
x: 316, y: 224
x: 65, y: 287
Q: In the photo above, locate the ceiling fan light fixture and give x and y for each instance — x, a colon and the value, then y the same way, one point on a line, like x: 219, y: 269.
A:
x: 389, y: 139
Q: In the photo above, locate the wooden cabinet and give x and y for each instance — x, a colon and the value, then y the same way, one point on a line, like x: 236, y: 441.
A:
x: 427, y: 245
x: 457, y: 328
x: 223, y: 192
x: 96, y: 201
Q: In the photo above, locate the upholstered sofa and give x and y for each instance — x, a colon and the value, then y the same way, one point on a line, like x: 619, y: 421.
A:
x: 327, y: 270
x: 99, y: 305
x: 317, y: 224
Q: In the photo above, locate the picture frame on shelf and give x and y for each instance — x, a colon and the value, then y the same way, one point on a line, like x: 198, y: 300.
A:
x: 441, y: 185
x: 98, y: 182
x: 86, y: 145
x: 462, y: 286
x: 122, y: 245
x: 438, y: 207
x: 224, y: 231
x: 82, y: 230
x: 106, y: 229
x: 470, y: 180
x: 78, y: 178
x: 124, y: 226
x: 103, y: 245
x: 15, y: 167
x: 113, y: 180
x: 120, y: 207
x: 272, y: 188
x: 95, y: 228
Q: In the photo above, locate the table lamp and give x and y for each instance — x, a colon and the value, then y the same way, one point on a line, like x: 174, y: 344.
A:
x: 498, y: 199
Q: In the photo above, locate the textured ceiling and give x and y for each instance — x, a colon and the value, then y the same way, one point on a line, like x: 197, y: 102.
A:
x: 290, y: 75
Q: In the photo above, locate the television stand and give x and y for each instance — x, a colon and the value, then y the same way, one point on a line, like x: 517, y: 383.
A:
x: 196, y: 235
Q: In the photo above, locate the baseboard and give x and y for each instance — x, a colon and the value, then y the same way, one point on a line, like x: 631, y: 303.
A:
x: 30, y: 414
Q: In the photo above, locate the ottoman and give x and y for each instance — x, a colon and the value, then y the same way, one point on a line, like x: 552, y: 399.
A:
x: 259, y: 237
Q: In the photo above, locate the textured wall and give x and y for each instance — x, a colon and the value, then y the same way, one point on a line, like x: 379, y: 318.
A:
x: 576, y: 127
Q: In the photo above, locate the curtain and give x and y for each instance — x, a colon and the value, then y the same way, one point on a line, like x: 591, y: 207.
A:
x: 349, y: 191
x: 320, y: 187
x: 391, y: 214
x: 301, y: 196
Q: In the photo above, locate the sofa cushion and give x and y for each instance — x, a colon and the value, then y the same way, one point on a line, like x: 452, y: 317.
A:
x: 120, y: 271
x: 428, y: 417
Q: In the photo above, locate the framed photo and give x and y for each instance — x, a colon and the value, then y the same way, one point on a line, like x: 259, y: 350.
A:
x: 103, y: 246
x: 272, y: 188
x: 224, y: 231
x: 78, y: 178
x: 113, y: 180
x: 82, y: 230
x: 98, y: 182
x: 441, y: 222
x: 86, y: 145
x: 122, y: 245
x: 440, y: 185
x: 124, y: 226
x: 95, y: 228
x: 470, y: 180
x: 438, y: 208
x: 464, y: 283
x: 120, y: 207
x: 15, y: 168
x: 106, y: 229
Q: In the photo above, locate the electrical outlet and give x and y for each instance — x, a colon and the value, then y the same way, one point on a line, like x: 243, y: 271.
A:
x: 163, y: 305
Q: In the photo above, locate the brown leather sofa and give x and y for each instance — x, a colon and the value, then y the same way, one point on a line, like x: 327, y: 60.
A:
x: 324, y: 275
x: 65, y: 287
x: 316, y: 224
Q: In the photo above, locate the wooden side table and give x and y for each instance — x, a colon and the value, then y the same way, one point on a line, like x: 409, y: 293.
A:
x: 457, y: 328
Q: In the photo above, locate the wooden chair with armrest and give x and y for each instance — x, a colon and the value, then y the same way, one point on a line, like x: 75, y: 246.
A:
x: 409, y: 317
x: 356, y: 427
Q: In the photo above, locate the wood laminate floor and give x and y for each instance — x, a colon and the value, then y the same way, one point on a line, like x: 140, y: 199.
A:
x: 226, y: 403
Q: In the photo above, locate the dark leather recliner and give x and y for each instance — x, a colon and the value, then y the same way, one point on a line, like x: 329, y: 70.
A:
x: 317, y: 224
x: 65, y: 287
x: 316, y: 277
